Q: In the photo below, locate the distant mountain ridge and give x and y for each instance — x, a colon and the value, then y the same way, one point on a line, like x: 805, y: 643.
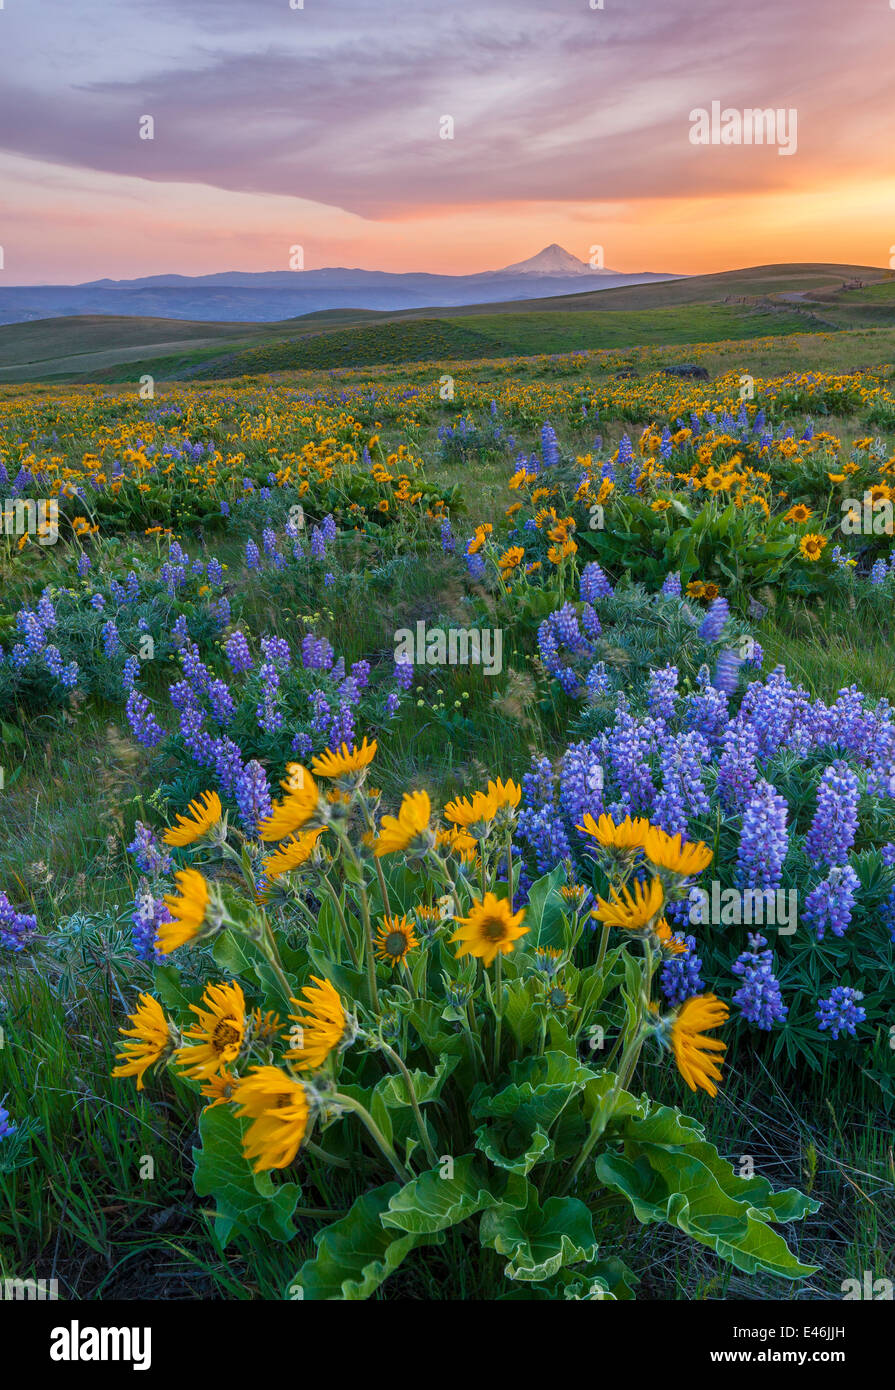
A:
x: 267, y: 296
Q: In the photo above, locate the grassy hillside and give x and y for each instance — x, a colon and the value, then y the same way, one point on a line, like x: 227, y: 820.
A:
x: 764, y: 301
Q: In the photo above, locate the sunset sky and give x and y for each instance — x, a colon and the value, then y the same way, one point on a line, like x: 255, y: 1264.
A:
x: 320, y: 127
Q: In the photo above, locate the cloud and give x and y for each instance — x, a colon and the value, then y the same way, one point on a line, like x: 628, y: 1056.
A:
x: 342, y: 105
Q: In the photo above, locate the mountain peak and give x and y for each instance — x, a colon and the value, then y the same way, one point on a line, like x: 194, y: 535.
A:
x: 553, y: 260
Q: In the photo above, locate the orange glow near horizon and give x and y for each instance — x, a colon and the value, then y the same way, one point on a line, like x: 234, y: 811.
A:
x: 135, y: 228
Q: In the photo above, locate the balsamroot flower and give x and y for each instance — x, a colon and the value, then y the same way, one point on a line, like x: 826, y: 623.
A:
x: 694, y: 1053
x: 395, y: 939
x: 669, y: 853
x: 302, y: 805
x: 292, y: 854
x: 188, y: 911
x: 634, y: 912
x: 627, y: 835
x: 153, y: 1039
x: 476, y: 816
x: 278, y: 1106
x: 218, y: 1036
x: 323, y: 1027
x: 202, y: 815
x: 409, y: 830
x: 346, y: 767
x: 491, y: 927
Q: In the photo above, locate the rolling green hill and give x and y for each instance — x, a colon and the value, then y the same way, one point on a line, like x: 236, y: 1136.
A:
x: 758, y: 302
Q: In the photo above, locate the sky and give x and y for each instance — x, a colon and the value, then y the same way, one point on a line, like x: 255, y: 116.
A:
x: 323, y: 126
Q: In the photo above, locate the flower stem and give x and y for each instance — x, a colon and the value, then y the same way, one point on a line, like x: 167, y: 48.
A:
x: 355, y: 961
x: 375, y: 1133
x: 415, y: 1105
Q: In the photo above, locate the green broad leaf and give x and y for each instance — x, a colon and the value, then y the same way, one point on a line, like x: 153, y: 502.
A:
x: 519, y: 1013
x: 666, y: 1126
x: 540, y: 1241
x: 519, y: 1117
x: 245, y: 1202
x: 540, y: 1087
x: 508, y: 1146
x: 356, y: 1254
x: 670, y: 1173
x: 544, y: 915
x: 235, y: 954
x: 171, y: 992
x: 394, y: 1092
x: 442, y: 1197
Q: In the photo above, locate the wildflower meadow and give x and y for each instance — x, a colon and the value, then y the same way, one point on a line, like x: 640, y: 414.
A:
x: 449, y: 834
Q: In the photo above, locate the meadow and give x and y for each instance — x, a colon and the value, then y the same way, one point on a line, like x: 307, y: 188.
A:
x: 419, y: 996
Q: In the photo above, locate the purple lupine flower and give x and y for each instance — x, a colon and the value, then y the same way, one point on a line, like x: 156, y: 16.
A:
x: 681, y: 978
x: 593, y: 583
x: 683, y: 794
x: 758, y: 997
x: 448, y: 543
x: 149, y: 914
x: 715, y: 619
x: 341, y: 729
x: 727, y: 671
x: 221, y: 701
x: 302, y: 745
x: 145, y: 727
x: 84, y: 565
x: 226, y: 759
x: 549, y: 446
x: 475, y: 564
x: 830, y: 904
x: 276, y: 650
x: 15, y: 926
x: 54, y: 662
x: 671, y: 588
x: 835, y: 822
x: 236, y: 650
x: 328, y: 528
x: 110, y: 638
x: 661, y: 699
x: 316, y: 653
x: 253, y: 796
x: 45, y: 611
x: 360, y: 674
x: 194, y: 668
x: 630, y: 744
x: 269, y: 715
x: 150, y: 857
x: 842, y: 1012
x: 198, y: 742
x: 131, y: 672
x: 7, y: 1129
x: 318, y: 544
x: 392, y: 704
x: 581, y: 781
x: 764, y: 840
x: 705, y: 709
x: 253, y: 556
x: 404, y: 674
x: 737, y: 770
x: 597, y: 680
x: 590, y: 623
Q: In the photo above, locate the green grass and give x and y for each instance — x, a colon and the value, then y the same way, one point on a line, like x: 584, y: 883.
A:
x: 738, y: 304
